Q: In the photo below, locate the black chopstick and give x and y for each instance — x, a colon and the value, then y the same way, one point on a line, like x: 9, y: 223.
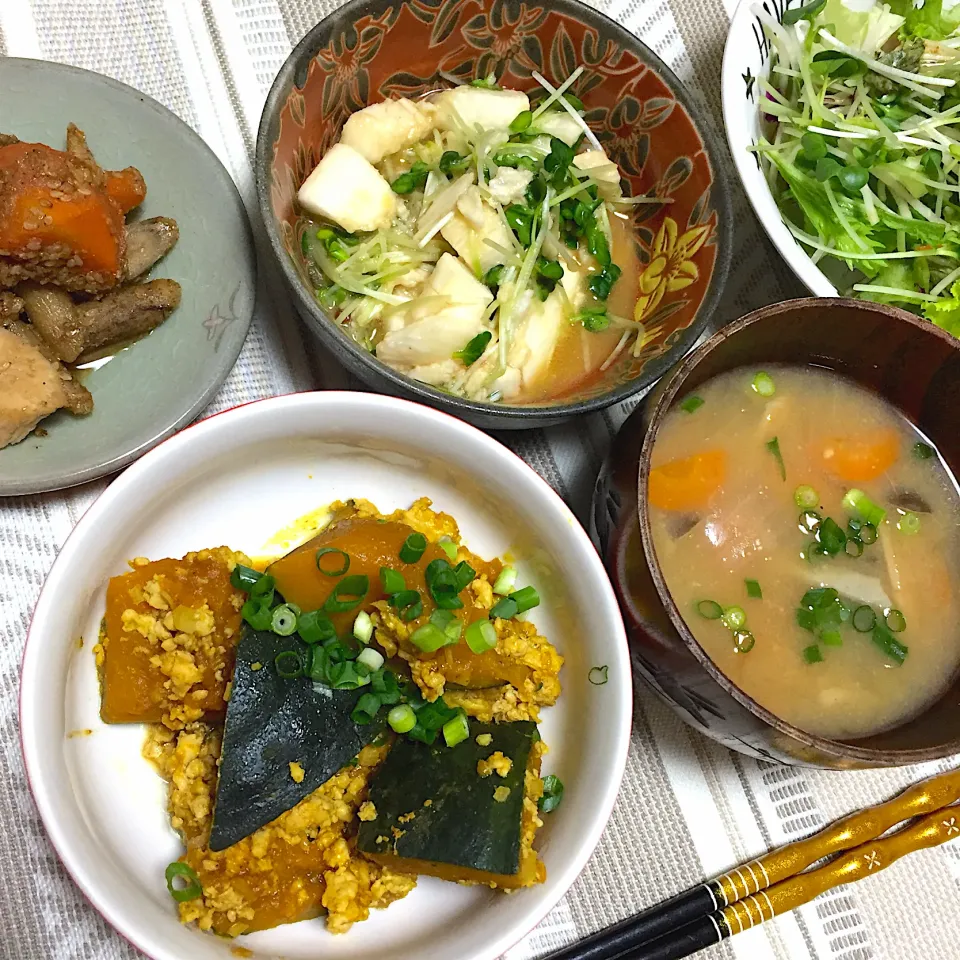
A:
x: 666, y: 920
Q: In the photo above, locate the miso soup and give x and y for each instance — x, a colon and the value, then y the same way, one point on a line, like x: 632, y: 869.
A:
x: 810, y: 538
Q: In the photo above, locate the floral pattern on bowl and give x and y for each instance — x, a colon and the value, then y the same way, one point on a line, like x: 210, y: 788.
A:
x: 639, y: 111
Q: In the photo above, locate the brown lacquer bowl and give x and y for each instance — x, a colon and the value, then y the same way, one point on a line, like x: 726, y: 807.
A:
x: 368, y: 50
x: 911, y: 363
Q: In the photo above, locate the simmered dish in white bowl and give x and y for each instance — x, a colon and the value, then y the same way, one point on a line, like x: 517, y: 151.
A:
x: 307, y: 697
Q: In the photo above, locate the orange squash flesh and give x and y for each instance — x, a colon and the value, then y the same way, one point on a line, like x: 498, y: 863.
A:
x: 372, y: 544
x: 689, y: 483
x: 134, y: 689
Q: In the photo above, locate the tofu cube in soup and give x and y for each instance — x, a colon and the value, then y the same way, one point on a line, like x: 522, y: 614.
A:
x: 476, y: 107
x: 473, y: 223
x: 388, y: 127
x: 346, y: 188
x: 450, y: 314
x: 602, y: 169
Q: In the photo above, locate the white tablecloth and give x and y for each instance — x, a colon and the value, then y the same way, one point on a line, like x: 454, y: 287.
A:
x: 688, y: 808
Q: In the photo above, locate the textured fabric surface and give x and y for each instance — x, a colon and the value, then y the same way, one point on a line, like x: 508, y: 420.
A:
x: 688, y: 808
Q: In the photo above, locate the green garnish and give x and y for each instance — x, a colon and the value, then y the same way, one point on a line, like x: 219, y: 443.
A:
x: 324, y: 566
x: 594, y: 319
x: 493, y: 276
x: 347, y: 594
x: 481, y: 636
x: 392, y: 581
x: 521, y: 121
x: 363, y: 629
x: 506, y: 580
x: 191, y: 888
x: 812, y: 654
x: 456, y: 730
x: 774, y: 447
x: 552, y: 794
x: 831, y: 537
x: 243, y: 578
x: 413, y: 179
x: 473, y: 351
x: 452, y: 163
x: 806, y: 496
x: 283, y: 620
x: 857, y: 503
x: 763, y: 385
x: 402, y: 718
x: 315, y: 627
x: 709, y: 609
x: 743, y: 641
x: 909, y: 524
x: 598, y: 676
x: 889, y: 644
x: 923, y: 451
x: 505, y: 608
x: 734, y: 618
x: 864, y: 619
x: 526, y: 599
x: 602, y: 283
x: 444, y: 582
x: 288, y: 664
x: 753, y: 589
x: 692, y: 403
x: 408, y: 604
x: 413, y: 548
x: 896, y: 621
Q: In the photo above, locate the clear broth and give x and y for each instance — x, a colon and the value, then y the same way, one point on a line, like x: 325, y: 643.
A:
x: 832, y: 435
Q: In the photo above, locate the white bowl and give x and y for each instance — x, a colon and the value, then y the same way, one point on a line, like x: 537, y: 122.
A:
x: 746, y: 56
x: 236, y: 479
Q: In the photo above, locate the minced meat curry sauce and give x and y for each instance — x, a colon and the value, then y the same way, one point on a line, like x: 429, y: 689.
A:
x: 297, y: 712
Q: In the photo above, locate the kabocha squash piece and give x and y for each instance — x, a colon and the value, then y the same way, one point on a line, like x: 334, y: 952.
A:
x: 437, y: 815
x: 166, y: 651
x: 273, y: 722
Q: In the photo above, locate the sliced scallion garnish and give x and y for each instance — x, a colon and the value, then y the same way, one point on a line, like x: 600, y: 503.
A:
x: 283, y: 620
x: 692, y: 403
x: 806, y: 497
x: 413, y: 548
x: 481, y: 636
x: 763, y: 384
x: 505, y: 581
x: 753, y: 589
x: 909, y: 523
x: 348, y: 593
x: 243, y: 578
x: 288, y: 664
x: 456, y: 730
x: 896, y: 621
x: 392, y: 581
x: 315, y: 627
x: 709, y: 609
x: 180, y: 871
x: 333, y: 553
x: 402, y: 718
x: 864, y: 619
x: 856, y: 502
x: 363, y: 628
x: 598, y: 676
x: 774, y: 447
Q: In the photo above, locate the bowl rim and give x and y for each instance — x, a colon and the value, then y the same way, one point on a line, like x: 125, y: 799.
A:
x: 672, y: 387
x: 324, y: 327
x: 85, y: 474
x: 751, y: 179
x: 33, y: 751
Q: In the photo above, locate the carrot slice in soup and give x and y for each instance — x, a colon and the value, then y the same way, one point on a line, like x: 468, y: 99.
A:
x: 688, y: 483
x: 859, y: 460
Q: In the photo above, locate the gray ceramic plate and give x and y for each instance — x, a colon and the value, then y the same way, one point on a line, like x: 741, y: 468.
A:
x: 159, y: 384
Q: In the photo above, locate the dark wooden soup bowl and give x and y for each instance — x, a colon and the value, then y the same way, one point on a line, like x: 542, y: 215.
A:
x: 911, y: 363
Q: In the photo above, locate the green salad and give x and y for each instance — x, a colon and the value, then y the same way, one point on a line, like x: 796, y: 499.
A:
x: 861, y: 146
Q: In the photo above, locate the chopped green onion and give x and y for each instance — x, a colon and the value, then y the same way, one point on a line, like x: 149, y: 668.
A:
x: 909, y: 523
x: 481, y: 636
x: 861, y: 506
x: 456, y: 730
x: 368, y: 706
x: 325, y: 570
x: 743, y: 641
x: 734, y: 618
x: 402, y: 718
x: 315, y: 627
x: 709, y: 609
x: 448, y: 623
x: 371, y: 659
x: 868, y: 533
x: 854, y: 547
x: 178, y: 870
x: 774, y: 447
x: 348, y: 593
x: 896, y: 621
x: 521, y: 121
x: 263, y: 589
x: 598, y: 676
x: 445, y: 583
x: 810, y: 521
x: 283, y: 621
x: 408, y: 604
x: 343, y: 675
x: 526, y: 599
x: 243, y: 578
x: 505, y: 608
x: 815, y: 552
x: 552, y: 794
x: 392, y: 581
x: 448, y: 547
x: 923, y: 451
x: 806, y: 496
x: 889, y: 644
x: 413, y: 548
x: 831, y: 537
x: 812, y: 654
x: 753, y: 589
x: 288, y: 664
x: 831, y: 638
x: 465, y: 574
x: 763, y: 384
x: 692, y: 403
x: 429, y: 638
x: 505, y: 581
x: 864, y: 619
x: 363, y: 628
x: 257, y: 614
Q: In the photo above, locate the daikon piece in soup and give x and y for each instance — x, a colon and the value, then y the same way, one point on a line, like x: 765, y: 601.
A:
x: 810, y: 537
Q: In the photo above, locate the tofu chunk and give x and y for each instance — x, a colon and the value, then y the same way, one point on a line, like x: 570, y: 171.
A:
x: 559, y: 124
x: 472, y: 223
x: 387, y: 127
x: 345, y: 187
x: 436, y: 329
x: 477, y: 107
x: 603, y: 170
x: 30, y: 388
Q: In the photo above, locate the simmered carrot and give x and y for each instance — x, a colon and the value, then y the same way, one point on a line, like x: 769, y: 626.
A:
x: 126, y: 187
x: 857, y: 459
x: 688, y: 483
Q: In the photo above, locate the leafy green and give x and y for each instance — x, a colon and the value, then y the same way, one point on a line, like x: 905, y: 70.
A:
x: 472, y: 352
x: 946, y: 313
x: 927, y: 20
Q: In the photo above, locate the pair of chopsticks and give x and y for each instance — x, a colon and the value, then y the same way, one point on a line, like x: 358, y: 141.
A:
x: 776, y: 882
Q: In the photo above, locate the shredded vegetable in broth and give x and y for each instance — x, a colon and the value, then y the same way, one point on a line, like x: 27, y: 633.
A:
x: 477, y: 240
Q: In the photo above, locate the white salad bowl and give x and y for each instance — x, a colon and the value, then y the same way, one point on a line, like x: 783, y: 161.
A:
x: 237, y: 479
x: 746, y: 57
